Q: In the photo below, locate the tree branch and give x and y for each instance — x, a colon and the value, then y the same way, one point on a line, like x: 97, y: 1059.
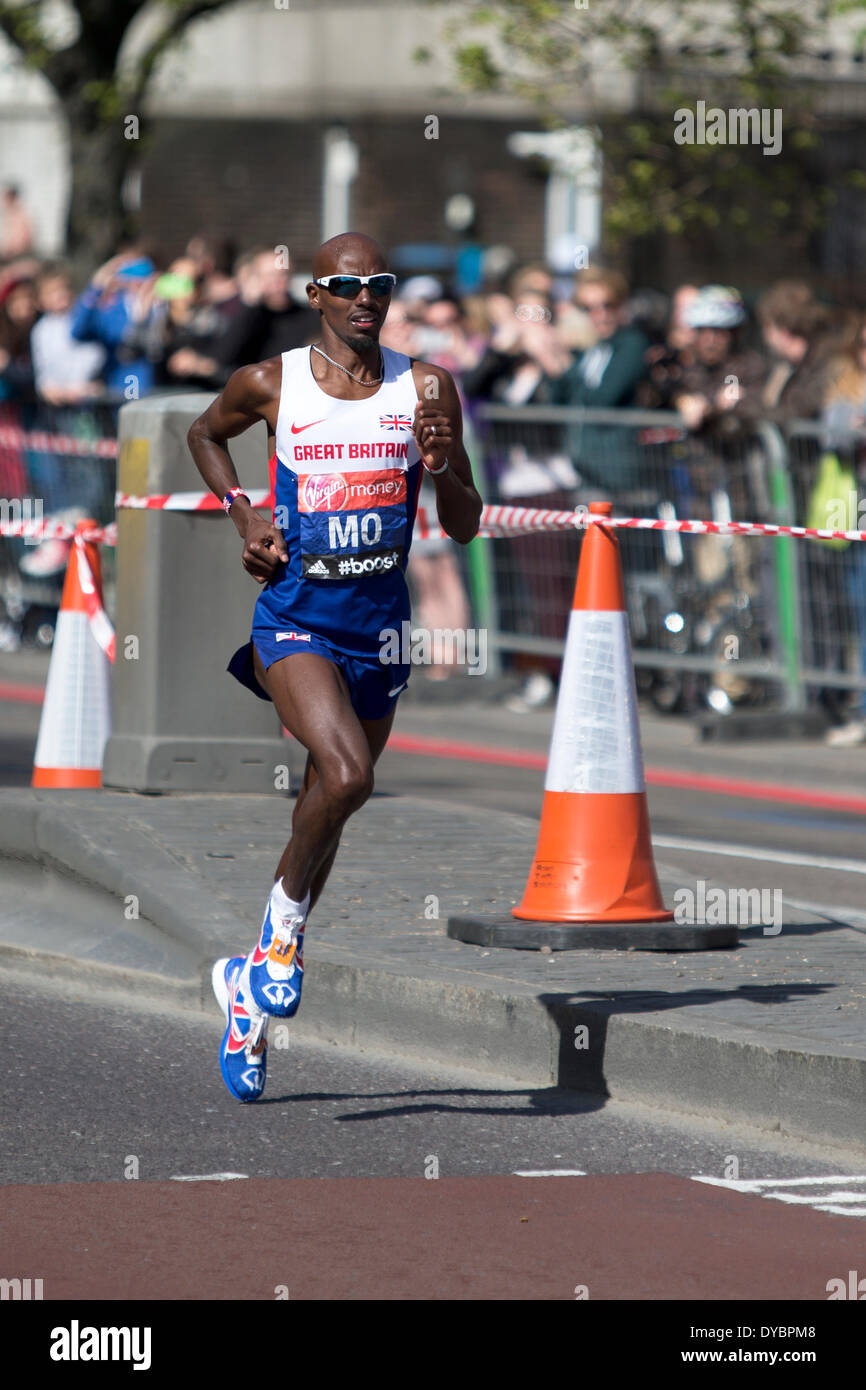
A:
x: 105, y: 22
x: 187, y: 11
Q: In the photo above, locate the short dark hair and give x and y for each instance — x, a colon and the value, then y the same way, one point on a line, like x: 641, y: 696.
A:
x: 792, y: 306
x: 613, y: 281
x: 52, y: 270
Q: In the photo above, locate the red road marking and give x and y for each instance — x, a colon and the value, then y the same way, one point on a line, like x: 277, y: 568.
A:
x: 427, y: 747
x: 466, y: 752
x: 22, y: 694
x: 655, y: 776
x: 757, y: 791
x: 626, y: 1236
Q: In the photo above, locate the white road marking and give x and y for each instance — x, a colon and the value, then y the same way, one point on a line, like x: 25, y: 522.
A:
x: 837, y: 1197
x: 772, y: 856
x: 837, y: 1201
x: 853, y: 917
x: 755, y: 1184
x: 549, y: 1173
x: 207, y: 1177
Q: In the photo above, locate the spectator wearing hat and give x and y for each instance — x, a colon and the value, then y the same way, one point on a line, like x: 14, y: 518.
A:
x: 417, y: 292
x: 725, y: 380
x: 668, y: 359
x: 182, y: 331
x: 109, y: 312
x: 719, y: 393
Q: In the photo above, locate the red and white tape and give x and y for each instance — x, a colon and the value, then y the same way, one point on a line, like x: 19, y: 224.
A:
x: 57, y: 531
x: 100, y: 623
x: 500, y: 521
x: 720, y: 528
x: 43, y: 442
x: 184, y: 501
x: 497, y: 521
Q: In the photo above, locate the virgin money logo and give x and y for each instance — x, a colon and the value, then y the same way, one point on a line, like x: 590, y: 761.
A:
x: 324, y: 492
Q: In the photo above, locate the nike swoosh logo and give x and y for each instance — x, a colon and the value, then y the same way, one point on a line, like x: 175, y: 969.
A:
x: 296, y: 429
x: 397, y: 689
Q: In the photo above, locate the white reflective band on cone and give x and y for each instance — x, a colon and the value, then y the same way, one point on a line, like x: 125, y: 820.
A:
x: 76, y: 713
x: 595, y: 746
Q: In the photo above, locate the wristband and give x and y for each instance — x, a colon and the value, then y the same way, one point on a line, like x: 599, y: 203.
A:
x: 434, y: 472
x: 230, y: 497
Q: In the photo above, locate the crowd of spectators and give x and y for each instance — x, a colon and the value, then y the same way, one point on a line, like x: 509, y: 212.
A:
x: 140, y: 326
x: 531, y: 337
x: 143, y: 324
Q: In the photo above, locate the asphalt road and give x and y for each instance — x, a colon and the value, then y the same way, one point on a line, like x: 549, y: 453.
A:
x: 431, y: 1201
x: 90, y: 1081
x: 127, y: 1099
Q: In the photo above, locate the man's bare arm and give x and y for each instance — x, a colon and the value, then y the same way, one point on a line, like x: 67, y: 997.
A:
x: 457, y: 500
x: 241, y: 404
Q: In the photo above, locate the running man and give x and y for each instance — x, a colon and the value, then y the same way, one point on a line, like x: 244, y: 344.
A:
x: 350, y: 426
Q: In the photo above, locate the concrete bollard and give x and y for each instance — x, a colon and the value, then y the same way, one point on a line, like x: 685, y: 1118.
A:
x: 180, y: 722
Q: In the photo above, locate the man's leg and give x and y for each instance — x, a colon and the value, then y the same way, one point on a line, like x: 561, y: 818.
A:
x: 312, y: 701
x: 376, y: 732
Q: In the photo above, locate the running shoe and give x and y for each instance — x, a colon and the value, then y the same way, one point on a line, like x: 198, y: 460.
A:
x: 277, y: 965
x: 848, y: 735
x: 244, y: 1048
x: 536, y: 693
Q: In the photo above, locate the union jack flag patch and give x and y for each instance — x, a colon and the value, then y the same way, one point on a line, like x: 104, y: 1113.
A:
x: 395, y: 422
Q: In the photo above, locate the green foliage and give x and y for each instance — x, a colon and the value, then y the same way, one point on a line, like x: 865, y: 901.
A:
x: 105, y: 98
x: 747, y: 56
x: 476, y: 68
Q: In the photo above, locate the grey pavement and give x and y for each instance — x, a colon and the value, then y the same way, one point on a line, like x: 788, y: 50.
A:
x: 768, y: 1034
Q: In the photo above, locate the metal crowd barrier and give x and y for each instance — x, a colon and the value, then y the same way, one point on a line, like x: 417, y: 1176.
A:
x: 716, y: 621
x: 831, y: 578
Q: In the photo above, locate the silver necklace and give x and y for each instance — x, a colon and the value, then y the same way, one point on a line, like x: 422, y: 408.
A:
x: 346, y: 369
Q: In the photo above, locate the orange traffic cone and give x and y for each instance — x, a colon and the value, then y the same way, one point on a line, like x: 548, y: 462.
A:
x: 594, y: 861
x: 76, y: 719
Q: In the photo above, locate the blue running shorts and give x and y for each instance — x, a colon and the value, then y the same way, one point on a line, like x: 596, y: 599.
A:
x: 373, y: 685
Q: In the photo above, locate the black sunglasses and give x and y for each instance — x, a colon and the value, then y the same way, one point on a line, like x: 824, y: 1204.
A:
x: 348, y: 286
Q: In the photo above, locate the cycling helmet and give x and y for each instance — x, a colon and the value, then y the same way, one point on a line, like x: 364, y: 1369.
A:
x: 716, y: 306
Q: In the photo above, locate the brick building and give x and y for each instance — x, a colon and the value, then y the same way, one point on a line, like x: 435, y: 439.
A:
x: 283, y: 121
x: 261, y: 180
